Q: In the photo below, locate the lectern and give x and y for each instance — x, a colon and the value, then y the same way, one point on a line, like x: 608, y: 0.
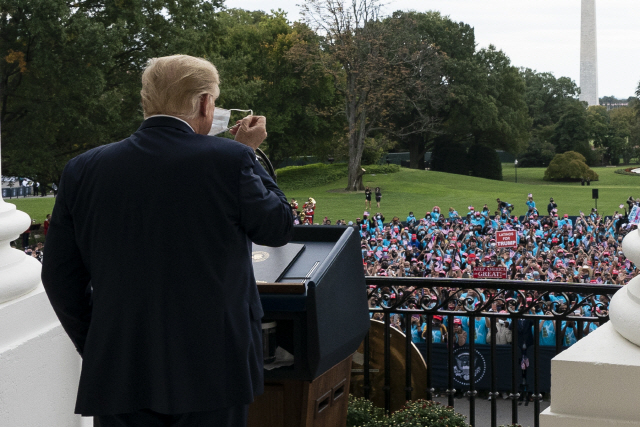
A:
x: 320, y: 306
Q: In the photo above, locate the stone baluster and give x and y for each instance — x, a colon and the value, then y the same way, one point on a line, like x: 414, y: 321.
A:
x: 624, y: 309
x: 19, y: 273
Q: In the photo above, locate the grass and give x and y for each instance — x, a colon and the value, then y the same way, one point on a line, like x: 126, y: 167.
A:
x: 36, y: 207
x: 418, y: 191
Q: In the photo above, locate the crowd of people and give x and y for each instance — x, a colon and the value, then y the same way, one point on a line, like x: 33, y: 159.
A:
x: 551, y: 247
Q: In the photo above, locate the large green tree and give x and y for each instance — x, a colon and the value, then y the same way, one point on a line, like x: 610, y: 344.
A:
x: 547, y: 97
x: 571, y: 134
x: 625, y: 125
x: 376, y: 69
x: 501, y: 119
x: 256, y: 54
x: 70, y: 72
x: 456, y: 43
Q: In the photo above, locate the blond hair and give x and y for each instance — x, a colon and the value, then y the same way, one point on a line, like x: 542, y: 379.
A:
x: 173, y: 85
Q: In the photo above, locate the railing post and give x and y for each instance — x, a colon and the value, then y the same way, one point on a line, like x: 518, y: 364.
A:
x: 450, y: 389
x: 387, y: 362
x: 408, y: 340
x: 472, y: 370
x: 429, y: 341
x: 494, y: 374
x: 514, y: 372
x: 367, y: 365
x: 536, y: 374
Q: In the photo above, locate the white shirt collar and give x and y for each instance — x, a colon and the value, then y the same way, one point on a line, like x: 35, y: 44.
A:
x: 173, y: 117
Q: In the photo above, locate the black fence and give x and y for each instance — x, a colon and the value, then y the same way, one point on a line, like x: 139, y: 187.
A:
x: 521, y: 369
x: 9, y: 193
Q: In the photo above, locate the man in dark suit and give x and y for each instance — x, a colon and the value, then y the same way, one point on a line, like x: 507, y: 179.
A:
x: 171, y: 337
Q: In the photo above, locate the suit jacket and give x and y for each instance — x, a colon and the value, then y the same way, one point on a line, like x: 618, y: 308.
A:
x: 156, y: 288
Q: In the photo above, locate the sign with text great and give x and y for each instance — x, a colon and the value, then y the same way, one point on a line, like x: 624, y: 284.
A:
x: 506, y: 239
x: 490, y: 273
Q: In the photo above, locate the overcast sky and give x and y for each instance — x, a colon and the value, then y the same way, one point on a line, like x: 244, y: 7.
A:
x: 540, y: 34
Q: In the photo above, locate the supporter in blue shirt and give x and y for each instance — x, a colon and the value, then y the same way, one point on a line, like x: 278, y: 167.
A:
x: 416, y: 335
x: 548, y: 332
x: 438, y: 330
x: 435, y: 213
x: 480, y: 330
x: 531, y: 204
x: 569, y: 333
x: 411, y: 219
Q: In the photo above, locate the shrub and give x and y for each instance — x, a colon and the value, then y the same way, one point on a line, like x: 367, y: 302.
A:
x: 296, y: 177
x: 484, y: 162
x: 375, y: 148
x: 424, y: 413
x: 449, y: 156
x: 627, y: 171
x: 362, y: 412
x: 381, y: 169
x: 569, y: 166
x: 538, y: 154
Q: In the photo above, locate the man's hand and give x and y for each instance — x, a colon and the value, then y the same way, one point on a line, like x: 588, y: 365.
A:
x: 250, y: 131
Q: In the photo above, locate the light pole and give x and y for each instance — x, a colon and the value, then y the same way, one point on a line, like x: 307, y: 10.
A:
x: 516, y: 166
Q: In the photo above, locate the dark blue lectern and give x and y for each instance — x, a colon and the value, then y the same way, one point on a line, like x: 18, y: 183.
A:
x: 320, y: 306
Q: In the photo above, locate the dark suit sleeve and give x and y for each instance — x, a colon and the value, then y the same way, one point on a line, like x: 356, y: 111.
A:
x: 64, y: 275
x: 265, y: 214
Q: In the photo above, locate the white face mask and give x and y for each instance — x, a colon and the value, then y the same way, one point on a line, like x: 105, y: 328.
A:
x: 221, y: 119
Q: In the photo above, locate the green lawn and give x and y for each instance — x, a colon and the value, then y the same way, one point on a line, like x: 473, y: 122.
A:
x: 36, y: 207
x: 418, y: 191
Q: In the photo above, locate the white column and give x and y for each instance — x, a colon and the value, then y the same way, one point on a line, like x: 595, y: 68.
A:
x: 39, y: 367
x: 19, y: 273
x: 589, y: 54
x: 594, y: 383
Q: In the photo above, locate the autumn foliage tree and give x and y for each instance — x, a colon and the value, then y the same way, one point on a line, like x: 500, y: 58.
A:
x: 375, y: 70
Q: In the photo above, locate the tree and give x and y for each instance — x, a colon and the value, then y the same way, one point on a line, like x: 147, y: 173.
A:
x: 260, y: 69
x: 375, y: 70
x: 569, y: 166
x: 599, y: 132
x: 456, y: 41
x: 626, y: 126
x: 70, y: 78
x: 547, y: 97
x: 570, y: 133
x: 484, y: 162
x: 488, y: 102
x: 537, y: 154
x: 449, y: 156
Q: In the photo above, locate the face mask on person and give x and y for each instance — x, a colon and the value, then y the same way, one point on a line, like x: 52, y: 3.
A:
x: 221, y: 119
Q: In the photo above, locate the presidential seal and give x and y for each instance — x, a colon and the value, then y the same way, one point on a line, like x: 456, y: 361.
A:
x: 259, y: 256
x: 461, y: 372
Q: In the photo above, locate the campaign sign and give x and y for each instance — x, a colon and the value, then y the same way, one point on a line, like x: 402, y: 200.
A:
x: 634, y: 216
x: 490, y: 273
x: 506, y: 239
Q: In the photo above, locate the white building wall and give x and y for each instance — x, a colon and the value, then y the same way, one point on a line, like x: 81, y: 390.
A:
x: 39, y: 367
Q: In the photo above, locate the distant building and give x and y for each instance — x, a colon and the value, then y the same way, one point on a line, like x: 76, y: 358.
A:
x: 614, y: 106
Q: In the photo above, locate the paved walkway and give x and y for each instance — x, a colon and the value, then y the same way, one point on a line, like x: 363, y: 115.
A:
x: 483, y: 411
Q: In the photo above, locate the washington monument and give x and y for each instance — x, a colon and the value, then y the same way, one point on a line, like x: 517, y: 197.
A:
x: 589, y: 54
